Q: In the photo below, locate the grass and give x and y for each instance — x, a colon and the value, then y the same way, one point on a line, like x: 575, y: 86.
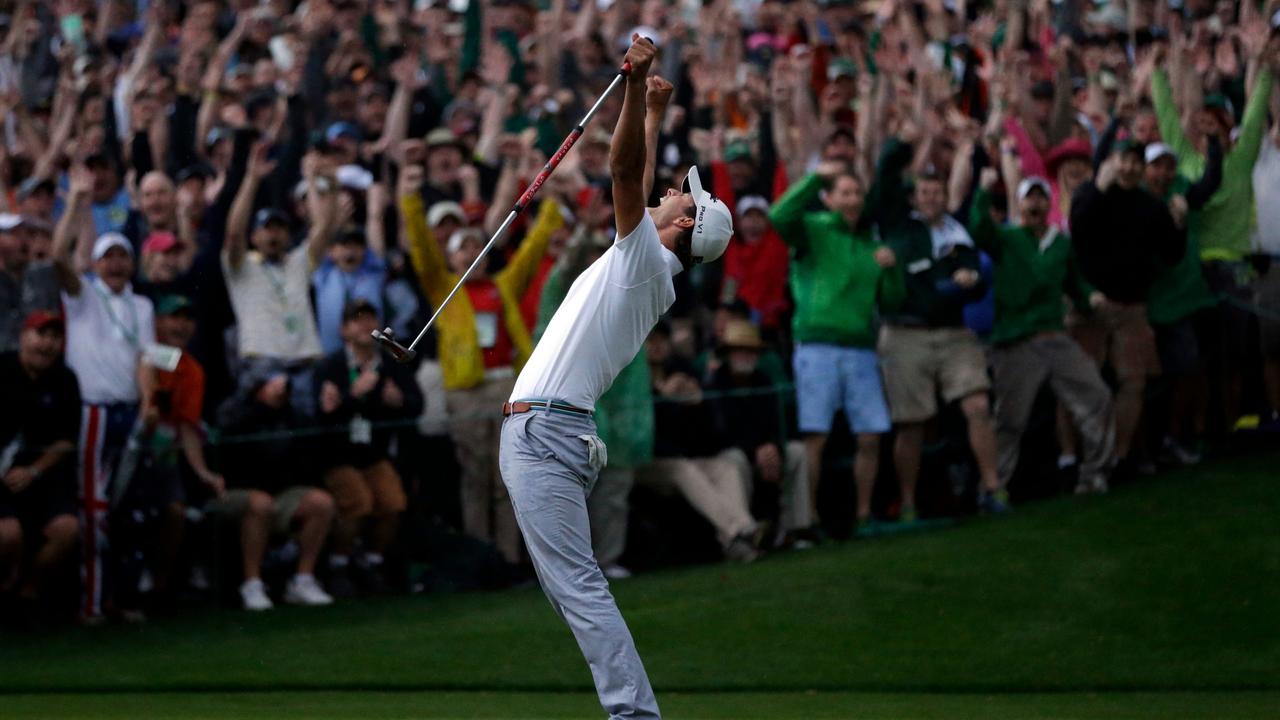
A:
x: 1156, y: 601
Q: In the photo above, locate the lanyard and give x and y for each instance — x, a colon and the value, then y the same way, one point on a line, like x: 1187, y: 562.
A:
x: 129, y: 335
x: 277, y: 280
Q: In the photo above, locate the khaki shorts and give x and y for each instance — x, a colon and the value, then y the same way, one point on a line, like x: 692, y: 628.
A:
x: 284, y: 506
x: 359, y: 493
x: 1120, y: 335
x: 921, y: 363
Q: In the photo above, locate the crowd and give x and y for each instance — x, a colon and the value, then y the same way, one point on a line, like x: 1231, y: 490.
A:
x: 945, y: 210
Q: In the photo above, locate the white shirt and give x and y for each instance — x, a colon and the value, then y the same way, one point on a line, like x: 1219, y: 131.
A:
x: 947, y: 235
x: 106, y: 335
x: 273, y: 306
x: 603, y: 321
x: 1266, y: 189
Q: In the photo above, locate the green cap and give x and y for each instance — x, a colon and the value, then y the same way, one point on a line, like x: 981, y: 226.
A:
x: 1127, y: 146
x: 841, y: 68
x: 738, y: 150
x: 173, y: 304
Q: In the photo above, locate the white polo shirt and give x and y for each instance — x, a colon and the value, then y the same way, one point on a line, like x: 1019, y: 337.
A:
x: 603, y: 321
x: 106, y: 335
x: 1266, y: 189
x: 272, y: 303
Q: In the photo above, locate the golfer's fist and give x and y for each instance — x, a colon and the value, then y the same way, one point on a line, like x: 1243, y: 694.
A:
x: 657, y: 94
x: 640, y: 55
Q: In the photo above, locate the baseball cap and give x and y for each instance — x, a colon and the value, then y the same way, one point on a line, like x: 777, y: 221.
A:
x: 1126, y: 146
x: 172, y: 305
x: 354, y: 177
x: 159, y: 242
x: 441, y: 136
x: 752, y: 202
x: 193, y: 171
x: 340, y: 130
x: 110, y: 240
x: 1275, y: 21
x: 216, y: 135
x: 1157, y: 150
x: 9, y: 221
x: 712, y: 222
x: 442, y: 210
x: 841, y: 68
x: 741, y: 335
x: 738, y: 150
x: 266, y: 216
x: 1033, y: 183
x: 357, y: 307
x: 41, y: 319
x: 350, y: 235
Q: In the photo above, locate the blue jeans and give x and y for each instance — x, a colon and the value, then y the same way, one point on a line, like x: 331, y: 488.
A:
x: 549, y: 469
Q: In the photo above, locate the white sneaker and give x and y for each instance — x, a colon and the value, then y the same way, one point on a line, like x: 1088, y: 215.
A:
x: 304, y: 590
x: 254, y: 596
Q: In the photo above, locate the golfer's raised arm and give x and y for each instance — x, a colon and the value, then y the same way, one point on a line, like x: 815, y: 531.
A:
x: 627, y: 154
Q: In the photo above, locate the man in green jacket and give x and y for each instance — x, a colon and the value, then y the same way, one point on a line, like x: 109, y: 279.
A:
x: 839, y: 276
x: 1034, y: 266
x: 926, y: 348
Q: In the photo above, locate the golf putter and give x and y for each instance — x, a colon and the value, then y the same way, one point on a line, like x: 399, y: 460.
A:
x: 387, y: 337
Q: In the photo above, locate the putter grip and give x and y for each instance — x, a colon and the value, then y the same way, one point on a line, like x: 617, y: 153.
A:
x: 625, y: 69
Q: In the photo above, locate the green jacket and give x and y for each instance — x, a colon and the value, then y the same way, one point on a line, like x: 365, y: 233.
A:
x: 1029, y: 281
x: 932, y: 299
x: 1180, y: 290
x: 1222, y: 228
x: 835, y: 279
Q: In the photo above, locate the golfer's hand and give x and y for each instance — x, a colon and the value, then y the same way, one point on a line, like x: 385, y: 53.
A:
x: 18, y: 479
x: 330, y: 397
x: 657, y: 94
x: 640, y: 55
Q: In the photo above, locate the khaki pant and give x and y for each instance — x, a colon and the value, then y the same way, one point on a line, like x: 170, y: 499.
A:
x: 475, y: 424
x: 793, y: 496
x: 375, y: 490
x: 1020, y: 370
x: 714, y: 486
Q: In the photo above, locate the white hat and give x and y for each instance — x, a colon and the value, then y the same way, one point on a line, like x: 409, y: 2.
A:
x: 111, y: 240
x: 442, y: 210
x: 1157, y: 150
x: 752, y: 202
x: 712, y: 222
x: 9, y: 221
x: 1031, y: 183
x: 354, y: 177
x: 459, y: 237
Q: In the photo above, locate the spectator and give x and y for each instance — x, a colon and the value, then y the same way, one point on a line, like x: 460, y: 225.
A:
x: 841, y: 277
x: 484, y: 342
x: 1034, y: 268
x: 1179, y: 305
x: 110, y: 199
x: 177, y: 444
x: 1124, y: 238
x: 744, y: 400
x: 1222, y: 229
x: 157, y: 209
x: 755, y: 264
x: 109, y: 328
x: 363, y: 394
x: 689, y: 459
x: 25, y: 286
x: 352, y: 270
x: 925, y: 348
x: 1266, y: 184
x: 269, y: 285
x: 38, y: 433
x: 36, y: 197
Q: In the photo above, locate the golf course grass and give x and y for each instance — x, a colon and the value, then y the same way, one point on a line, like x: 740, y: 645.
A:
x: 1160, y: 600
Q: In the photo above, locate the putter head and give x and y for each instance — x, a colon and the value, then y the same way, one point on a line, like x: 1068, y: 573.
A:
x: 387, y: 338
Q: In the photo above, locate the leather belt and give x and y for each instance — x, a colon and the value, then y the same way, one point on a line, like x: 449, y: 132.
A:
x: 524, y: 406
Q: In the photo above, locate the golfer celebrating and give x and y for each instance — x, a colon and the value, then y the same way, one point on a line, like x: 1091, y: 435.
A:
x: 550, y: 453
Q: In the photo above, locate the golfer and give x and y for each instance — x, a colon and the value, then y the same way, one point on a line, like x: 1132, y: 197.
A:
x: 550, y: 453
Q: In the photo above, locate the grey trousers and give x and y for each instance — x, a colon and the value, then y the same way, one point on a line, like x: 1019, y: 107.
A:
x: 608, y: 507
x: 549, y: 471
x: 1021, y: 369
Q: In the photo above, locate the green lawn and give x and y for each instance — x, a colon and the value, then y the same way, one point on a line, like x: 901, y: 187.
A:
x: 1159, y: 600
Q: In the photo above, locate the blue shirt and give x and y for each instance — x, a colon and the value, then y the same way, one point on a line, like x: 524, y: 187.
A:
x: 335, y: 288
x: 111, y: 216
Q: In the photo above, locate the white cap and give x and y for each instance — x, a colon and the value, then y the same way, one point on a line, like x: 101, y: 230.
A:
x: 9, y: 221
x: 459, y: 237
x: 354, y: 177
x: 752, y: 202
x: 1030, y: 183
x: 442, y: 210
x: 712, y: 222
x: 110, y: 240
x: 1157, y: 150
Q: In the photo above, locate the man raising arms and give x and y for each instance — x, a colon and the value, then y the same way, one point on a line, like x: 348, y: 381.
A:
x: 551, y: 455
